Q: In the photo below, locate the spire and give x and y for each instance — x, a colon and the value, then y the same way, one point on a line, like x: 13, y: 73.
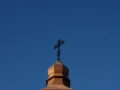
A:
x: 58, y: 74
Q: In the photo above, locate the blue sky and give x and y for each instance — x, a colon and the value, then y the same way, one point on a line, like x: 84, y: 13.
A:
x: 29, y: 29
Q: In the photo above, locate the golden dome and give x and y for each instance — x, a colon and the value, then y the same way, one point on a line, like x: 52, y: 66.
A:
x: 58, y: 69
x: 58, y: 76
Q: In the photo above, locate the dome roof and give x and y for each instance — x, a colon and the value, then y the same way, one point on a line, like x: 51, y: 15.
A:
x: 58, y: 69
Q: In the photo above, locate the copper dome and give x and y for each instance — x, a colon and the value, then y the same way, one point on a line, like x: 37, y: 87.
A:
x: 58, y: 69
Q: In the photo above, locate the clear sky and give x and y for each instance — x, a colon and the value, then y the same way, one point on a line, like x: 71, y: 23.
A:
x: 29, y: 29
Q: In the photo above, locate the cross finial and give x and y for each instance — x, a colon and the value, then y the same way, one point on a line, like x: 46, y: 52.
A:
x: 59, y: 43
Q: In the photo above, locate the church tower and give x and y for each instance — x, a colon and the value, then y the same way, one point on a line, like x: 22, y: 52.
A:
x: 58, y: 75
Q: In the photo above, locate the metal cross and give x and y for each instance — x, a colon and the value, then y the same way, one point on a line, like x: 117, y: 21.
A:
x: 59, y: 43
